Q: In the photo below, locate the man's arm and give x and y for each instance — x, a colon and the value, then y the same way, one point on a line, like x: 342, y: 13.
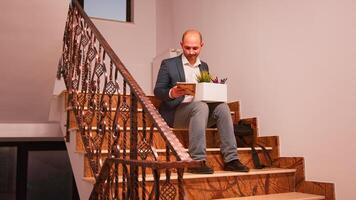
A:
x: 163, y: 83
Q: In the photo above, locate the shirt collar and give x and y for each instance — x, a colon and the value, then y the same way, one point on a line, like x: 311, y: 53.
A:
x: 186, y: 62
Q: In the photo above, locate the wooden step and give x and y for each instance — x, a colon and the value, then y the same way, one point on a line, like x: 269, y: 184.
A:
x: 114, y: 100
x: 148, y: 120
x: 255, y: 182
x: 214, y: 158
x: 240, y: 149
x: 139, y: 110
x: 234, y: 107
x: 280, y: 196
x: 225, y: 184
x: 212, y: 137
x: 216, y: 174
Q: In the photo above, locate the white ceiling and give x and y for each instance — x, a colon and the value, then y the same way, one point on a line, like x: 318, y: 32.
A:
x: 30, y: 46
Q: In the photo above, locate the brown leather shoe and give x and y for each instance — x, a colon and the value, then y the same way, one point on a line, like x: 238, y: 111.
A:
x: 236, y: 166
x: 205, y: 169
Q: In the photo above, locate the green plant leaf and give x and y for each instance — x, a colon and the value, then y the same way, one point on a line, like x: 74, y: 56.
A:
x: 204, y: 77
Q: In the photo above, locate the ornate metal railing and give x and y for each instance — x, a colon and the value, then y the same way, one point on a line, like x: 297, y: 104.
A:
x: 118, y: 125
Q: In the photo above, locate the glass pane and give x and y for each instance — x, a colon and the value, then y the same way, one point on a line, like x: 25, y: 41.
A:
x: 8, y: 166
x: 108, y: 9
x: 49, y: 175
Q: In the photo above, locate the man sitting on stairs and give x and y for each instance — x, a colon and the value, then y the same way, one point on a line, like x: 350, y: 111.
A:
x: 180, y: 111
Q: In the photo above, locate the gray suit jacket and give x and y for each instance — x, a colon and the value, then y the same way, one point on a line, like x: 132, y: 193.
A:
x: 171, y: 72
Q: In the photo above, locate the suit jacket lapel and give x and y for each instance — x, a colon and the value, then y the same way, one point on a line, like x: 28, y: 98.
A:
x: 201, y: 68
x: 180, y: 69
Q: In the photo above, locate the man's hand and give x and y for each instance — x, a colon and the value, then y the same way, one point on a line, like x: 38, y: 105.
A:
x: 176, y: 92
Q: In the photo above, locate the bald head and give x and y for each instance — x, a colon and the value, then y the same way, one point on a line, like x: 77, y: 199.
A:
x: 192, y: 32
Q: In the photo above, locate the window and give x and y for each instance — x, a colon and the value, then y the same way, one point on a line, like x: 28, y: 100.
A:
x: 8, y: 165
x: 118, y: 10
x: 36, y: 170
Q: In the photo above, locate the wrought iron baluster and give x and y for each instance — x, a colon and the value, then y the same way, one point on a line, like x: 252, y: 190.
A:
x: 133, y: 145
x: 123, y: 111
x: 181, y: 193
x: 126, y: 190
x: 168, y: 173
x: 144, y: 134
x: 116, y: 194
x: 156, y: 175
x: 143, y: 182
x: 143, y: 139
x: 168, y: 191
x: 67, y: 137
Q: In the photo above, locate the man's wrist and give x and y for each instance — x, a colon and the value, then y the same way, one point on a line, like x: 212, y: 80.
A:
x: 170, y: 93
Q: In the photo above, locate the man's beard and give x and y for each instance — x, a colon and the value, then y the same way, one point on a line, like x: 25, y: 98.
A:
x: 192, y: 57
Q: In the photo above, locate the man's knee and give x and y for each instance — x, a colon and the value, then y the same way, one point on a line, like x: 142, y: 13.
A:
x: 201, y: 108
x: 222, y: 109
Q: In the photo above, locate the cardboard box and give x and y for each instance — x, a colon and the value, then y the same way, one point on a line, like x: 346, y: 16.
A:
x: 211, y: 92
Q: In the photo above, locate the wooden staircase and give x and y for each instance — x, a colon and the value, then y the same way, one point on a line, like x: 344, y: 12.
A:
x: 284, y: 180
x: 121, y: 148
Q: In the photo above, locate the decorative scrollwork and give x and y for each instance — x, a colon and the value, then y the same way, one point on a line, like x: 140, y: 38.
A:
x: 125, y: 111
x: 75, y: 84
x: 78, y: 30
x: 168, y: 191
x: 88, y: 117
x: 144, y: 150
x: 98, y: 138
x: 100, y: 69
x: 81, y: 99
x: 110, y: 88
x: 91, y: 54
x: 84, y: 41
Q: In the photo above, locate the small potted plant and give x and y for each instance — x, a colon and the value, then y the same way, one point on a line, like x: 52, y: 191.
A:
x: 210, y: 90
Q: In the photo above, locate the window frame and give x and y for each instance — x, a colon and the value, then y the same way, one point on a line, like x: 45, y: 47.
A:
x: 129, y: 12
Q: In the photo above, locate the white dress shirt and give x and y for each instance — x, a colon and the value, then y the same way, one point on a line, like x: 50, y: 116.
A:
x: 191, y: 72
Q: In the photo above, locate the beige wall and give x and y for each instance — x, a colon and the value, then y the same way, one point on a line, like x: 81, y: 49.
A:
x: 290, y: 63
x: 164, y: 26
x: 31, y: 37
